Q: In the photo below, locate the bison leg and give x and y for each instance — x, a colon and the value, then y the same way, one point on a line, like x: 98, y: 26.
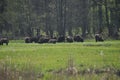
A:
x: 7, y: 43
x: 2, y: 43
x: 96, y: 40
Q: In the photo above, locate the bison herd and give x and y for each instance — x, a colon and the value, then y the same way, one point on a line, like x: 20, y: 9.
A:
x: 46, y: 39
x: 70, y: 39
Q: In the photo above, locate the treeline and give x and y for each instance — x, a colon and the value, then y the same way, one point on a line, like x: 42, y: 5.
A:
x: 19, y: 18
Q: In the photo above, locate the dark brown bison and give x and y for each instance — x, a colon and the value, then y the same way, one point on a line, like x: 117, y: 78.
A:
x: 27, y: 40
x: 61, y: 39
x: 69, y: 39
x: 98, y: 37
x: 78, y: 38
x: 4, y: 40
x: 34, y: 39
x: 31, y: 39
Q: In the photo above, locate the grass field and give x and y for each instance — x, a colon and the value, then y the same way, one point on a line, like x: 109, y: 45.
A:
x: 88, y: 60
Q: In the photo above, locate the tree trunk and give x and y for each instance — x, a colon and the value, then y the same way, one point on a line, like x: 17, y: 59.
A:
x: 107, y: 17
x: 85, y: 18
x: 117, y: 14
x: 100, y: 17
x: 61, y: 16
x: 46, y: 17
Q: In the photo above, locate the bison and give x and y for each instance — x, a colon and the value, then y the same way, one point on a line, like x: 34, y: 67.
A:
x: 78, y: 38
x: 98, y: 37
x: 43, y: 40
x: 69, y: 39
x: 34, y: 39
x: 61, y: 39
x: 52, y: 41
x: 4, y: 40
x: 31, y: 39
x: 27, y: 40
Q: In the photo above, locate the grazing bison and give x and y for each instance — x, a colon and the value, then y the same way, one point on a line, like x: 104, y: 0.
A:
x: 69, y: 39
x: 31, y: 39
x: 61, y: 39
x: 27, y: 40
x: 98, y: 37
x: 78, y: 38
x: 4, y: 40
x: 43, y: 40
x: 52, y: 41
x: 34, y: 39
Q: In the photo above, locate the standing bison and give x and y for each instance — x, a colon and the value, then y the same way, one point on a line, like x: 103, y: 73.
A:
x: 31, y: 39
x: 27, y: 40
x: 98, y: 37
x: 69, y: 39
x: 4, y: 40
x: 61, y: 39
x: 78, y: 38
x: 43, y: 40
x: 52, y: 41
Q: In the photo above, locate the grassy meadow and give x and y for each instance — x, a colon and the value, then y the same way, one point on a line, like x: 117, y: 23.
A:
x: 61, y: 61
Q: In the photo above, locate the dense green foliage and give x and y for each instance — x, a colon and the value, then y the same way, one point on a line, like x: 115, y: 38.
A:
x: 48, y: 58
x: 59, y: 17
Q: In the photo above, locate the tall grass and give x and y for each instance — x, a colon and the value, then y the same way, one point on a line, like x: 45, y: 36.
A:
x: 22, y: 61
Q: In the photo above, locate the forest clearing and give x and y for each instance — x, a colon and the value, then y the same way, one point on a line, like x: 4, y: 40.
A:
x: 60, y: 61
x: 59, y: 39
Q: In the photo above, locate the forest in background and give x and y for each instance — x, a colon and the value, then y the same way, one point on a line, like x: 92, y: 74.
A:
x: 20, y: 18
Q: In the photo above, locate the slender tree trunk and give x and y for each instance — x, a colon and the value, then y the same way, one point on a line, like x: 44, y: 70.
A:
x: 107, y: 17
x: 116, y: 14
x: 85, y: 18
x: 100, y: 17
x: 38, y: 32
x: 94, y: 20
x: 61, y: 16
x: 64, y: 18
x: 46, y: 17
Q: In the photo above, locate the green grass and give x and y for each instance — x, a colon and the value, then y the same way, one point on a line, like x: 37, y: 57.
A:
x: 45, y: 57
